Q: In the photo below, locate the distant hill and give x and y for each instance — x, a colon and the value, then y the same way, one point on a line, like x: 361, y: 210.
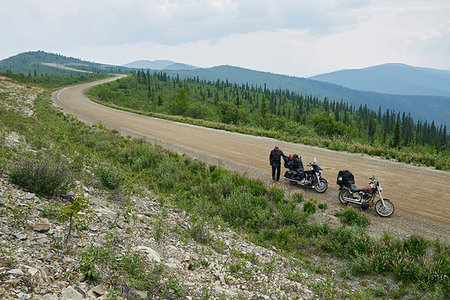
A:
x: 52, y: 64
x: 435, y: 108
x: 159, y: 65
x: 397, y: 79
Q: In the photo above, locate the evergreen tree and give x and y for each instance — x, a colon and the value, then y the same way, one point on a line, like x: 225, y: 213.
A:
x: 264, y: 109
x: 396, y: 142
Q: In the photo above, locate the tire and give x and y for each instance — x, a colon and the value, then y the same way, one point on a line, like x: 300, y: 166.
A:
x: 344, y: 193
x: 322, y: 186
x: 385, y: 211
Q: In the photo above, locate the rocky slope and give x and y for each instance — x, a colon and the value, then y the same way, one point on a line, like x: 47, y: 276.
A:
x: 36, y: 264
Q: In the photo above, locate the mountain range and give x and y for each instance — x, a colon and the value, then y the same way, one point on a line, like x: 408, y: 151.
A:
x: 425, y: 93
x: 397, y: 79
x: 159, y: 65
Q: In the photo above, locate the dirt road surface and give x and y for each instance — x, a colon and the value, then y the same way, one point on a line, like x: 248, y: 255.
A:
x: 420, y: 194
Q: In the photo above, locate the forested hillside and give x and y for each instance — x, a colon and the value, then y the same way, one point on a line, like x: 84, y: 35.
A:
x: 39, y: 63
x: 292, y: 116
x: 423, y: 108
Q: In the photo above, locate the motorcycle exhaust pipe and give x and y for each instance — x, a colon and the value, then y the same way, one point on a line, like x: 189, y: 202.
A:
x: 354, y: 201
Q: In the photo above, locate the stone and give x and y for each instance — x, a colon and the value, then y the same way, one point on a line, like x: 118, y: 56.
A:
x: 32, y: 271
x: 97, y: 291
x: 48, y: 297
x: 29, y: 196
x: 152, y: 255
x: 41, y: 226
x: 227, y: 293
x: 23, y: 296
x: 70, y: 293
x: 21, y: 236
x: 15, y: 272
x: 136, y: 294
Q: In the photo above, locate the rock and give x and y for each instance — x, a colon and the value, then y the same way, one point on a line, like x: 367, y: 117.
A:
x: 70, y: 293
x: 21, y: 236
x: 97, y: 291
x: 15, y: 272
x: 228, y: 293
x: 152, y: 255
x: 41, y: 226
x: 23, y: 296
x: 48, y: 297
x: 29, y: 196
x: 136, y: 294
x: 32, y: 271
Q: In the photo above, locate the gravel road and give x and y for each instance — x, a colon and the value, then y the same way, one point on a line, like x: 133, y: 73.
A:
x: 419, y: 193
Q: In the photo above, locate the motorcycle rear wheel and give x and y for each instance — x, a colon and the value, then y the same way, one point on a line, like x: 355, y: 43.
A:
x: 322, y: 186
x: 344, y: 193
x: 384, y: 211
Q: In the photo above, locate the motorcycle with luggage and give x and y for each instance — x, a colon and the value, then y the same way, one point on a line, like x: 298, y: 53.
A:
x: 311, y: 178
x: 365, y: 197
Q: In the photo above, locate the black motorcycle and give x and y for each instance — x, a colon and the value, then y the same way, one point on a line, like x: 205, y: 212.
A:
x: 311, y: 178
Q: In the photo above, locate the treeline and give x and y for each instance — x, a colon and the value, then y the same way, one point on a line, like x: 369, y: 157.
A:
x: 280, y: 110
x: 53, y: 80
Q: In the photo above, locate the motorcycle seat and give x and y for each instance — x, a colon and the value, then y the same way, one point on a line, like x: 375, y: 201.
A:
x: 354, y: 189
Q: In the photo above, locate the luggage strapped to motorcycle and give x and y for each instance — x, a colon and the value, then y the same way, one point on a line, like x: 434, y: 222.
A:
x: 345, y: 177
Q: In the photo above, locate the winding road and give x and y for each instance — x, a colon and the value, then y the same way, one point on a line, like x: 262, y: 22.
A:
x: 420, y: 194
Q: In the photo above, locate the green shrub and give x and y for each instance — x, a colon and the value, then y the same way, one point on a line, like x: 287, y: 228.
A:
x: 310, y: 206
x: 110, y: 178
x: 352, y: 217
x: 415, y: 245
x: 276, y: 194
x: 42, y: 177
x: 297, y: 197
x: 144, y: 157
x: 322, y: 206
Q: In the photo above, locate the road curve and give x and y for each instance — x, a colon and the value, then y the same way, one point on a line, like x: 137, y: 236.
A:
x: 419, y: 192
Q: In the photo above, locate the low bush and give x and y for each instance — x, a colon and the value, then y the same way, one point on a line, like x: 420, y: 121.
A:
x: 309, y: 206
x: 109, y: 177
x: 43, y: 177
x: 352, y: 217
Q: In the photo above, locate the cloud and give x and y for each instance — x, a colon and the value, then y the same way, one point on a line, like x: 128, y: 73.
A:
x: 284, y: 36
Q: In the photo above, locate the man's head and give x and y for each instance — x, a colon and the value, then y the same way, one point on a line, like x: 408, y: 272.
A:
x: 276, y: 147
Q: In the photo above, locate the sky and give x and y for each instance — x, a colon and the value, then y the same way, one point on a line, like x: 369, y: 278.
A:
x: 299, y: 38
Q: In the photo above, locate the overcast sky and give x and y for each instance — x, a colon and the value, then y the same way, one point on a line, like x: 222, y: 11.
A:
x: 299, y: 38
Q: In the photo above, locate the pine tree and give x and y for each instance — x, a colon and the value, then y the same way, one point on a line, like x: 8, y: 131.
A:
x: 396, y: 142
x: 264, y: 109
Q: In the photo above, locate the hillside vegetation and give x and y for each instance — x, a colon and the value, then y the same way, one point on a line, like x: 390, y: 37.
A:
x: 122, y: 169
x: 421, y: 107
x: 35, y: 63
x: 284, y: 115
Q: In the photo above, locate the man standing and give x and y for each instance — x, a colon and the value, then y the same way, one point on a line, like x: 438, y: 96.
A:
x: 275, y: 162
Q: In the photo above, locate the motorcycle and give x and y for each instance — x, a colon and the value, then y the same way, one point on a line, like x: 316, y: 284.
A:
x: 311, y: 178
x: 365, y: 197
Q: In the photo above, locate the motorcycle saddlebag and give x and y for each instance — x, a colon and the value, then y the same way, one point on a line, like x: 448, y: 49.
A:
x: 345, y: 177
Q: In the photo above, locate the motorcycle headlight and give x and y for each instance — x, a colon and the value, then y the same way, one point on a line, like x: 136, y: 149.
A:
x: 380, y: 189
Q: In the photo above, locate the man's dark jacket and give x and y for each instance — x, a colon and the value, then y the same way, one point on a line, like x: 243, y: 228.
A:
x: 275, y: 157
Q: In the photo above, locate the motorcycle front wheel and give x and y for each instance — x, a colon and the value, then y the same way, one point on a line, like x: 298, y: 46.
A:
x: 344, y: 193
x: 384, y: 211
x: 322, y: 186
